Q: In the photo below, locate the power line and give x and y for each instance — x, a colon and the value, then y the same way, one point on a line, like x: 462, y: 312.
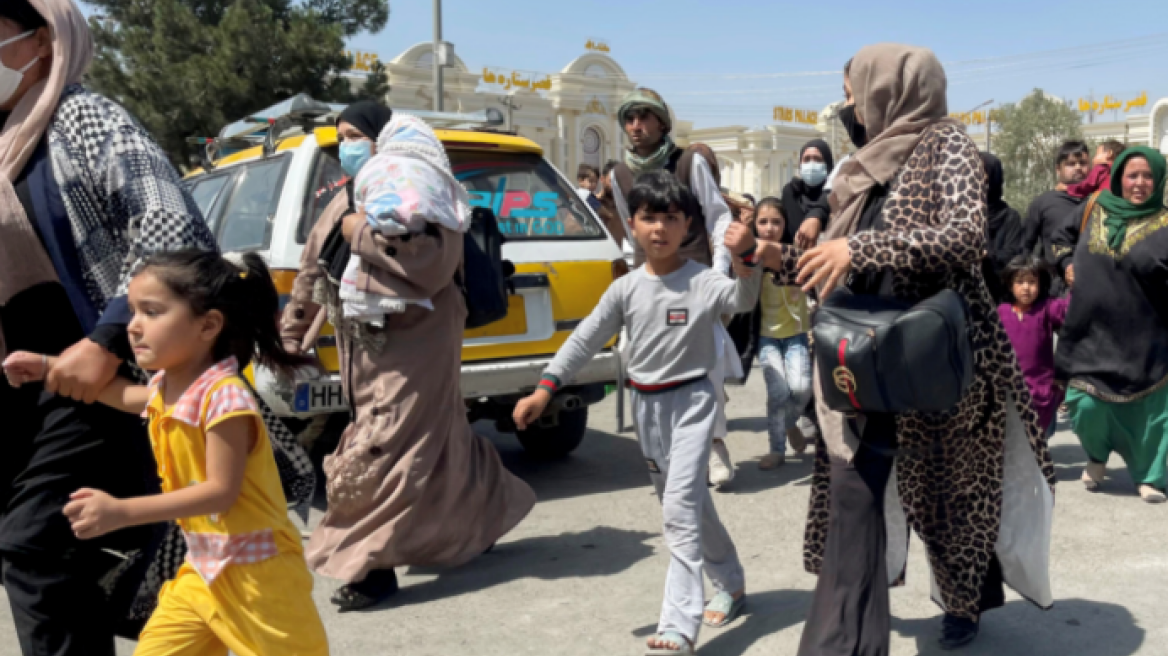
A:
x: 1022, y: 57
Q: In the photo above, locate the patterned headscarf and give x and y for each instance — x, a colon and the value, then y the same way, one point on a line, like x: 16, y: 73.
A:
x: 23, y: 260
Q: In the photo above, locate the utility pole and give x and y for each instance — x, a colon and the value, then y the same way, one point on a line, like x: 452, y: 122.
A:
x: 989, y: 130
x: 509, y: 103
x: 989, y: 124
x: 438, y: 92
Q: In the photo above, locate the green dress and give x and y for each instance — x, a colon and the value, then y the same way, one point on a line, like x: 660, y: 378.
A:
x: 1136, y: 430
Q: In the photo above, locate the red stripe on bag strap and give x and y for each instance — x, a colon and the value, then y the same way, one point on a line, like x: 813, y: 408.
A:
x: 851, y: 383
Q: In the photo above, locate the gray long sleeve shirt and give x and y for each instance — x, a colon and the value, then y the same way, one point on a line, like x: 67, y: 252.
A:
x: 670, y: 319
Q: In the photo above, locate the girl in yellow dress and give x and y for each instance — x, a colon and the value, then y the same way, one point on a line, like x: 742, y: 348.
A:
x: 245, y: 586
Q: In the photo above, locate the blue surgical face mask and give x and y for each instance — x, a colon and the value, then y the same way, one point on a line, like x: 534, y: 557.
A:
x: 354, y: 154
x: 813, y: 173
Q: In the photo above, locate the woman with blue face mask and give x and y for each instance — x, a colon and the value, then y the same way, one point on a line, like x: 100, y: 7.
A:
x: 815, y: 165
x: 357, y: 128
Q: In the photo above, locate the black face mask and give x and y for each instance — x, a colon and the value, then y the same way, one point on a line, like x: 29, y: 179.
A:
x: 856, y: 131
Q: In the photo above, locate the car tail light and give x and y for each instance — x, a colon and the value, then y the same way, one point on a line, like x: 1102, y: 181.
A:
x: 619, y: 269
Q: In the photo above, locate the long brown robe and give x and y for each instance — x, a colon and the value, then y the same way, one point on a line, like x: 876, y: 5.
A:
x: 411, y: 483
x: 976, y: 481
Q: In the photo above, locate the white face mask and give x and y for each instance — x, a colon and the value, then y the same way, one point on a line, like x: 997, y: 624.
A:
x: 10, y: 79
x: 813, y: 173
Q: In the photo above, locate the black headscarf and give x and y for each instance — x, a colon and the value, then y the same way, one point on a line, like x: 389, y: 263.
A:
x: 368, y: 116
x: 1003, y: 228
x: 798, y: 196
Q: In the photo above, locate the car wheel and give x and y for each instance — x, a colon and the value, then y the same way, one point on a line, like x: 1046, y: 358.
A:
x: 556, y: 437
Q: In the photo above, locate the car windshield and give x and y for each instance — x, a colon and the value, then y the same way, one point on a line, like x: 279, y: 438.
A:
x: 240, y: 203
x: 530, y: 200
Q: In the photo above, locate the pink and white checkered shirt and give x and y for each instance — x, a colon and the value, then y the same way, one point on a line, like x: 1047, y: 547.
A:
x: 211, y: 553
x: 224, y: 401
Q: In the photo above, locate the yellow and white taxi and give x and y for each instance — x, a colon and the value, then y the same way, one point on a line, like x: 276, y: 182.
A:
x: 266, y: 180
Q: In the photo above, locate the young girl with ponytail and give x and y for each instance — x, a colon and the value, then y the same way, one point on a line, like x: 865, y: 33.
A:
x: 197, y: 319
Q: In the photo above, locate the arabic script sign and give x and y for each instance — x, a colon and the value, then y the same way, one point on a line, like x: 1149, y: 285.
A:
x: 501, y: 79
x: 597, y: 45
x: 791, y: 115
x: 978, y: 118
x: 1112, y: 103
x: 362, y: 61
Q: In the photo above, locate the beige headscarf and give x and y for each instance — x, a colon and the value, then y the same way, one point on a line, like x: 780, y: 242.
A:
x: 23, y: 260
x: 900, y: 93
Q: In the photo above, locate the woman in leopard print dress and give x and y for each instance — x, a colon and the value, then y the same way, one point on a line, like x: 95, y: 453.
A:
x: 976, y: 483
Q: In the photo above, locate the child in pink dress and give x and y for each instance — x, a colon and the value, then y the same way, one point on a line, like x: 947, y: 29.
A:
x: 1031, y: 318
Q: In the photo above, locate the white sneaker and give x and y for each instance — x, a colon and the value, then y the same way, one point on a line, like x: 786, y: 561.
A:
x: 721, y: 469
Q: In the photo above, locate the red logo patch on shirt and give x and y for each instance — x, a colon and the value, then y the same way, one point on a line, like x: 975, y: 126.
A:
x: 677, y: 318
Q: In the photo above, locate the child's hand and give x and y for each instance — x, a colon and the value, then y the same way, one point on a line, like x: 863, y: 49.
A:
x: 23, y: 367
x: 530, y: 409
x: 93, y: 513
x: 739, y: 239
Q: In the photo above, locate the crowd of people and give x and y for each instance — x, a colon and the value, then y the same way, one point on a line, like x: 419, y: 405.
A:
x: 177, y: 533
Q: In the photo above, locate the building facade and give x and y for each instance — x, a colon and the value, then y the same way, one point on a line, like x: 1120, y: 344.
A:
x: 572, y: 116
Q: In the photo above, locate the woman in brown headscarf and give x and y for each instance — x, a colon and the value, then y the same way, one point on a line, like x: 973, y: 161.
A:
x: 411, y: 483
x: 976, y: 482
x: 84, y: 195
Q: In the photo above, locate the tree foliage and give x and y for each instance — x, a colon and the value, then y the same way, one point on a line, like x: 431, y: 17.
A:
x: 1031, y: 133
x: 376, y: 86
x: 188, y: 67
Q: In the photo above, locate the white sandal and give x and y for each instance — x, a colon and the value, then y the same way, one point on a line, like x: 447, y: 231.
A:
x: 1151, y: 495
x: 1093, y: 475
x: 721, y: 469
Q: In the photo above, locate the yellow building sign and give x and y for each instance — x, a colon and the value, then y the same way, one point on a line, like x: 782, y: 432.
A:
x: 1113, y: 103
x: 978, y: 118
x: 362, y: 61
x: 507, y: 80
x: 597, y: 45
x: 792, y: 115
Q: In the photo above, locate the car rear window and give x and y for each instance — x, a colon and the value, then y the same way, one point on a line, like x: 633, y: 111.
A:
x: 530, y: 200
x: 240, y: 202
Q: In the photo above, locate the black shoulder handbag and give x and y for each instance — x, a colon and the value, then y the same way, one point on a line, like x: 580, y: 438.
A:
x: 877, y: 354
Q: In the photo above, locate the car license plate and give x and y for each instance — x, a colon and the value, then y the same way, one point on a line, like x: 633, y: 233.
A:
x: 515, y: 323
x: 318, y: 397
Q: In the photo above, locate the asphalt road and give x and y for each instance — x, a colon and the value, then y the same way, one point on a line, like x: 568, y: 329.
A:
x: 583, y: 574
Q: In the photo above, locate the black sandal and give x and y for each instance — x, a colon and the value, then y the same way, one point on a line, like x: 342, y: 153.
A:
x: 378, y: 585
x: 957, y: 632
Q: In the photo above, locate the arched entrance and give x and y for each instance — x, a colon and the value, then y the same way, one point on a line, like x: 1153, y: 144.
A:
x: 591, y: 143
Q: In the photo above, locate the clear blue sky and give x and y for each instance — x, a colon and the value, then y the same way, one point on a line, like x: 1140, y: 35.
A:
x: 1068, y: 48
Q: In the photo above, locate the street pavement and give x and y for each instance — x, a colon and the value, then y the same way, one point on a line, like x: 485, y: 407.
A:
x: 583, y: 574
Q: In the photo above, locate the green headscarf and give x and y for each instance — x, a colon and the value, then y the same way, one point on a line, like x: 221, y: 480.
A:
x: 1119, y: 211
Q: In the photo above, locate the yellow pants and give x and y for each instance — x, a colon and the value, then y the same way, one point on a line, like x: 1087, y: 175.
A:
x: 263, y: 609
